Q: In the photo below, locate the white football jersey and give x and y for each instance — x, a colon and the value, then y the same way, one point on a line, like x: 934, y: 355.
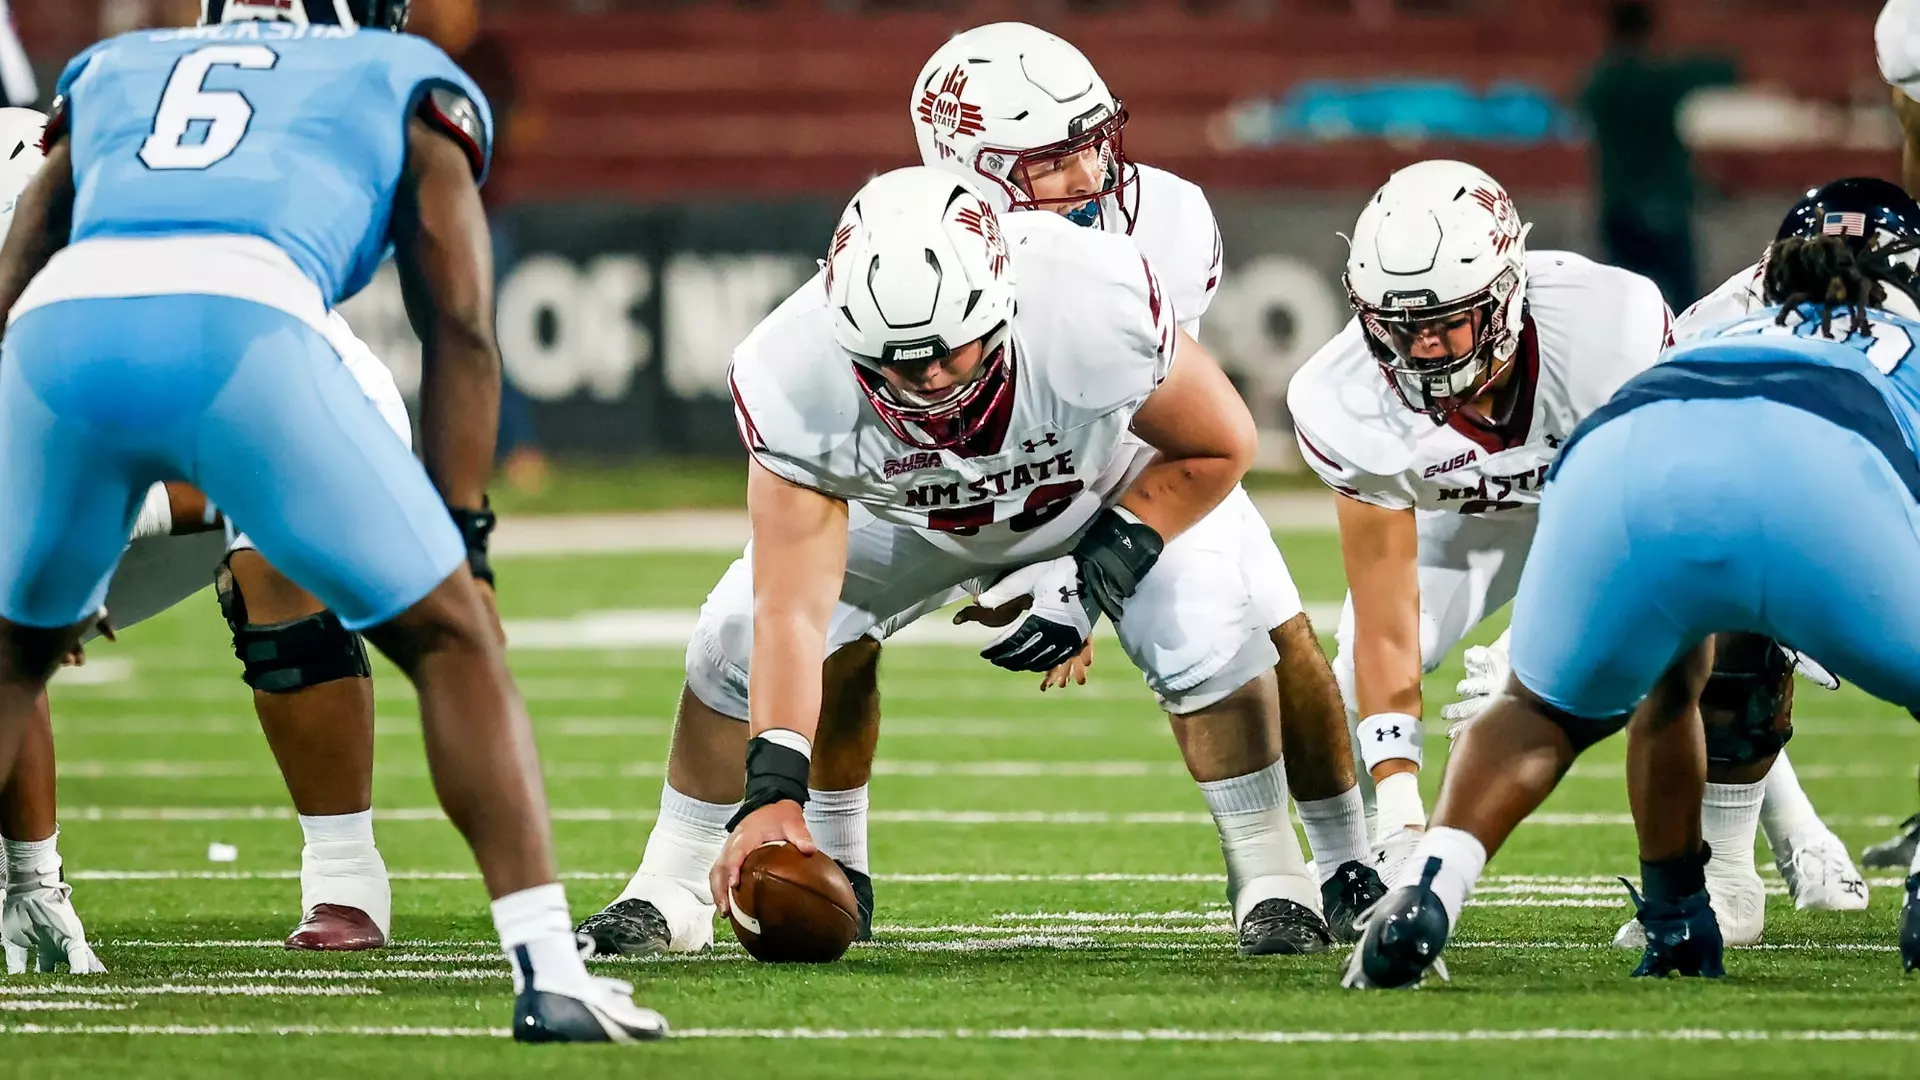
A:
x: 1589, y: 328
x: 1174, y: 227
x: 1737, y: 296
x: 1093, y: 337
x: 1896, y: 40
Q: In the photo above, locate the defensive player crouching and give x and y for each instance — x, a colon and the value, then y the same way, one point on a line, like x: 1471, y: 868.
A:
x: 312, y: 689
x: 1085, y: 438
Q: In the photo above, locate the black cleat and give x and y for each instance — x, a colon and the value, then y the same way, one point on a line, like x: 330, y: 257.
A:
x: 1279, y: 927
x: 1910, y: 925
x: 1402, y: 938
x: 1896, y: 853
x: 603, y: 1012
x: 863, y: 899
x: 627, y: 928
x: 1683, y: 937
x: 1347, y: 895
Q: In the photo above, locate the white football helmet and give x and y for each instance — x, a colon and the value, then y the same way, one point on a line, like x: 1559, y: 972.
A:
x: 998, y: 99
x: 918, y: 268
x: 1440, y: 239
x: 20, y: 157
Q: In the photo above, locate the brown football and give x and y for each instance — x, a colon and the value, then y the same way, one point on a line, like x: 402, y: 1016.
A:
x: 791, y: 908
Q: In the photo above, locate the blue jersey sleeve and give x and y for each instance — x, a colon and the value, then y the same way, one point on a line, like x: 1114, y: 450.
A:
x: 59, y: 119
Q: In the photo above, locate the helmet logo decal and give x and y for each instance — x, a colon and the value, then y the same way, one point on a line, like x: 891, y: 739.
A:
x: 1844, y: 223
x: 842, y: 236
x: 946, y: 110
x: 1506, y: 219
x: 981, y: 222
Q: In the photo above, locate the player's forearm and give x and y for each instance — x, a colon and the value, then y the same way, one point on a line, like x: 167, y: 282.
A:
x: 1386, y: 676
x: 460, y: 415
x: 1170, y: 496
x: 784, y: 688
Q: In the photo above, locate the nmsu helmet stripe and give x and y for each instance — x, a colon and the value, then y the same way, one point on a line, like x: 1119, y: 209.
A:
x: 370, y: 14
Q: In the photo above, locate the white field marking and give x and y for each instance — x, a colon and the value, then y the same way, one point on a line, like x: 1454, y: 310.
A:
x: 162, y: 769
x: 97, y: 671
x: 211, y: 989
x: 62, y: 1006
x: 332, y: 975
x: 894, y: 817
x: 442, y: 958
x: 1115, y: 1035
x: 671, y: 628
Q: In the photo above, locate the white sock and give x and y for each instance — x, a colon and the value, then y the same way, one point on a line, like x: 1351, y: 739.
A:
x: 1336, y: 831
x: 838, y: 821
x: 536, y: 932
x: 31, y: 858
x: 1398, y: 799
x: 1262, y: 852
x: 340, y: 865
x: 685, y: 842
x: 1729, y: 818
x: 1462, y: 858
x: 1786, y: 811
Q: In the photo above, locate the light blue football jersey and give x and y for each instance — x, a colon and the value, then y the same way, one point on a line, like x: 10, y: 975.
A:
x: 1888, y: 355
x: 295, y: 134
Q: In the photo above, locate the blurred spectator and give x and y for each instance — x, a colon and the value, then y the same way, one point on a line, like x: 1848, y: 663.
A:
x: 1633, y: 100
x: 454, y: 25
x: 122, y: 16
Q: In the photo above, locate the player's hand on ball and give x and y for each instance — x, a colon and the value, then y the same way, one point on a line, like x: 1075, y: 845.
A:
x: 774, y: 822
x: 1074, y: 670
x: 1059, y: 616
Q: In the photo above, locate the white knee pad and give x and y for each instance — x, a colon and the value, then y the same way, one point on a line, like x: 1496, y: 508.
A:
x: 1189, y: 691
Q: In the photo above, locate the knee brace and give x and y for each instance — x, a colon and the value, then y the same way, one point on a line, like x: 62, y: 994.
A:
x: 1747, y: 702
x: 280, y: 658
x: 1583, y: 731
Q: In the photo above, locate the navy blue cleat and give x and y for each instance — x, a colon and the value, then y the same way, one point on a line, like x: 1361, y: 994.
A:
x: 604, y: 1013
x: 1683, y: 937
x: 862, y: 898
x: 1347, y: 895
x: 1910, y: 925
x: 1401, y: 937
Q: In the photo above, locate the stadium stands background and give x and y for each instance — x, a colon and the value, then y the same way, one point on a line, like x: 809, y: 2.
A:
x: 669, y: 171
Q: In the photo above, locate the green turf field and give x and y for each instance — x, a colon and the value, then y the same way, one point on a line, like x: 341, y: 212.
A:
x: 1050, y: 895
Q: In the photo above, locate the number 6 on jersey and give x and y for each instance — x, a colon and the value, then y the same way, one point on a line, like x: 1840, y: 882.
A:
x: 186, y: 103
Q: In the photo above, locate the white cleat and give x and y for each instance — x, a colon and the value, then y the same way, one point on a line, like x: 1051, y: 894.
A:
x: 1392, y: 854
x: 40, y: 923
x: 1739, y: 900
x: 1820, y: 874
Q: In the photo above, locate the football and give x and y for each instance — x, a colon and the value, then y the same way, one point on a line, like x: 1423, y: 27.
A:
x: 791, y: 908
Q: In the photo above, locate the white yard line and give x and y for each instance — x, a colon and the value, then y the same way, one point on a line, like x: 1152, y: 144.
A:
x: 1024, y: 1034
x: 916, y: 817
x: 210, y: 989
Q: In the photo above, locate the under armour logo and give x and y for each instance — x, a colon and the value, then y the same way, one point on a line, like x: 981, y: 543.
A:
x: 1382, y: 734
x: 1032, y: 446
x: 1553, y: 442
x: 1068, y: 592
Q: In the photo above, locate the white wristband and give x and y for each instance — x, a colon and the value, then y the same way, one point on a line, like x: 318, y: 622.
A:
x: 1389, y: 736
x: 790, y: 739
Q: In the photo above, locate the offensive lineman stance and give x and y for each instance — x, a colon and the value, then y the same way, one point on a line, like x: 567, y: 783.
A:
x: 1024, y: 117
